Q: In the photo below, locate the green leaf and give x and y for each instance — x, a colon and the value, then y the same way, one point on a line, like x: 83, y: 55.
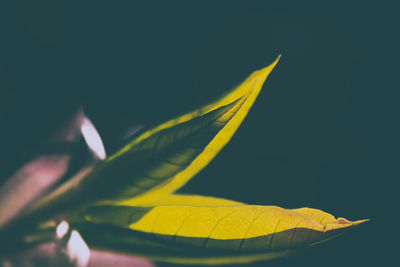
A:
x: 191, y: 233
x: 42, y: 172
x: 162, y: 159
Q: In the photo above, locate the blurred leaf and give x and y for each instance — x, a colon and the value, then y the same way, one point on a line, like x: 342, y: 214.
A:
x: 70, y: 248
x: 191, y: 233
x: 42, y: 172
x: 106, y: 259
x: 28, y: 183
x: 162, y: 159
x: 45, y: 254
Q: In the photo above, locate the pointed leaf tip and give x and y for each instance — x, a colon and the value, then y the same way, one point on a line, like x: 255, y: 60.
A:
x: 273, y: 64
x: 360, y: 222
x: 163, y: 158
x: 214, y: 228
x: 262, y: 74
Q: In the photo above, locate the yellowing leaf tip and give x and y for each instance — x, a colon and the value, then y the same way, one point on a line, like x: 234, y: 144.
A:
x: 275, y: 61
x: 342, y: 223
x: 345, y: 221
x: 360, y: 221
x: 263, y: 73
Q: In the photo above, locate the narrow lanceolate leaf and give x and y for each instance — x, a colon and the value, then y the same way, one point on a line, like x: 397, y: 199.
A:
x: 187, y: 200
x: 182, y: 233
x: 164, y: 158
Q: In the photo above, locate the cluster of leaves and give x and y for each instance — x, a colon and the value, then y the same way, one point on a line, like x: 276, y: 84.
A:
x: 126, y: 202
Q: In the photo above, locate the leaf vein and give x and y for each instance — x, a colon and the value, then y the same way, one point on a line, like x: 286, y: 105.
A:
x: 294, y: 232
x: 182, y: 224
x: 250, y: 225
x: 273, y: 233
x: 215, y: 226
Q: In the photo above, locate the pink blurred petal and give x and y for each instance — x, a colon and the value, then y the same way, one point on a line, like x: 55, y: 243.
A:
x: 39, y: 175
x: 28, y: 182
x: 105, y: 259
x: 44, y: 255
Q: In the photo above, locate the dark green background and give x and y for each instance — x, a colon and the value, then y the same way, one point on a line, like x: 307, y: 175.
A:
x: 321, y: 134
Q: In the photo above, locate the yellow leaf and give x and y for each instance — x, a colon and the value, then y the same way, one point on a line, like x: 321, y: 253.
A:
x: 248, y: 91
x: 187, y: 200
x: 247, y: 227
x: 196, y: 223
x: 162, y: 159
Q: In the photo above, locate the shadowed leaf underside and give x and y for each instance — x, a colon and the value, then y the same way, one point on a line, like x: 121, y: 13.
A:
x: 217, y: 232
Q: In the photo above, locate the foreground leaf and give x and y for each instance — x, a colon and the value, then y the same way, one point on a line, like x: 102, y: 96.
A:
x: 164, y: 158
x: 194, y: 234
